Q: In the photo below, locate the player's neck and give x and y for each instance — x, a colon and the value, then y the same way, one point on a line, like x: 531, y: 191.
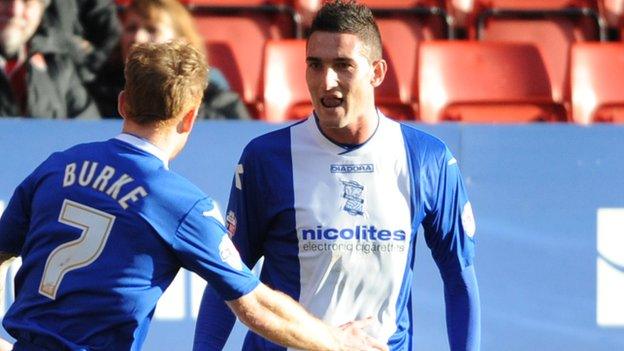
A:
x: 356, y: 133
x: 162, y: 136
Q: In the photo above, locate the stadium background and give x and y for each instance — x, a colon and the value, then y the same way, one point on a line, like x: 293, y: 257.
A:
x: 548, y: 197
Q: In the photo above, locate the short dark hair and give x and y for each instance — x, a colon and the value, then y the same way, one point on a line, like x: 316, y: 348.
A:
x: 340, y: 16
x: 162, y: 80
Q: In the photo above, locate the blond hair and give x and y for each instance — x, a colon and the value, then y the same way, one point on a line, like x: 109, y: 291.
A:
x: 163, y: 80
x: 182, y: 21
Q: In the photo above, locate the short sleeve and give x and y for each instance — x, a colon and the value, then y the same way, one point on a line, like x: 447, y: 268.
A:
x: 203, y: 246
x: 449, y: 224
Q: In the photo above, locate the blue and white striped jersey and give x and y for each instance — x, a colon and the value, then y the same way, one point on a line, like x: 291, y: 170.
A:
x: 337, y: 226
x: 102, y: 229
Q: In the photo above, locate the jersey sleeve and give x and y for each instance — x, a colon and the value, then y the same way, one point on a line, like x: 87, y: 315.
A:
x: 203, y: 246
x: 214, y: 323
x: 463, y: 310
x: 15, y: 220
x: 449, y: 223
x: 244, y: 219
x: 449, y: 231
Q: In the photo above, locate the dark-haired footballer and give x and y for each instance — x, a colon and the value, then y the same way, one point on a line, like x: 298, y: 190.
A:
x: 334, y: 202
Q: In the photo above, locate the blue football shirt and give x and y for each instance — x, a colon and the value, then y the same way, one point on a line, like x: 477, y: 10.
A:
x: 337, y: 225
x: 102, y: 229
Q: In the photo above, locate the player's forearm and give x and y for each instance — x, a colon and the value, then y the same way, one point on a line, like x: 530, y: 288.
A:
x: 280, y: 319
x: 463, y: 312
x: 5, y: 345
x: 5, y: 261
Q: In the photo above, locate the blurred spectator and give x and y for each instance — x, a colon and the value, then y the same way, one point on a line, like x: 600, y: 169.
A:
x: 38, y: 79
x: 159, y: 21
x: 88, y: 29
x: 307, y: 10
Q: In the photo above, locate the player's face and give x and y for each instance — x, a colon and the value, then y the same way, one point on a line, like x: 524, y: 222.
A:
x: 19, y: 20
x: 341, y: 79
x: 140, y: 29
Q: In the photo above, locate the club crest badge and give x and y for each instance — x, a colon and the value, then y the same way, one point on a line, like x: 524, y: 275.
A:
x: 353, y: 194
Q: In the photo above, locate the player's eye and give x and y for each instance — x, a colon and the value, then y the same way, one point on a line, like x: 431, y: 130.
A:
x: 314, y: 65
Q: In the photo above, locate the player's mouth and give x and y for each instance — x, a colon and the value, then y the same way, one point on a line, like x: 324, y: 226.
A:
x: 331, y: 101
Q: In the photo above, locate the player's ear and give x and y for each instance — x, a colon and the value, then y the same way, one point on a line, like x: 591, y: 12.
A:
x: 186, y: 124
x: 121, y: 104
x: 380, y: 67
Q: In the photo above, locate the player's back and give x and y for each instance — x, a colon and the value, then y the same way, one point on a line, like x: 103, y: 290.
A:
x: 97, y: 249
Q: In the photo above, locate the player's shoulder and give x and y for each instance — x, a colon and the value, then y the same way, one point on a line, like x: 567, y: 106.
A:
x: 270, y: 143
x: 422, y: 142
x: 61, y: 156
x: 171, y: 198
x: 78, y: 148
x: 171, y: 185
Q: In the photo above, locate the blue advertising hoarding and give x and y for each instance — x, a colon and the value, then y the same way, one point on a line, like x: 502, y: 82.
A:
x: 549, y: 206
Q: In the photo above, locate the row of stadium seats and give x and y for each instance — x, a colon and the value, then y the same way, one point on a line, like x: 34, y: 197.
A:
x: 470, y: 81
x: 459, y: 14
x: 237, y: 31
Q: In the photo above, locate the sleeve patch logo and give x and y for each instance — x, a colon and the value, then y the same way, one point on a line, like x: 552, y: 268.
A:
x: 230, y: 220
x: 229, y: 254
x: 468, y: 221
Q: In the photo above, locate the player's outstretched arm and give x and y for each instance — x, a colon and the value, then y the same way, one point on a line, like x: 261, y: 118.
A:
x: 281, y: 319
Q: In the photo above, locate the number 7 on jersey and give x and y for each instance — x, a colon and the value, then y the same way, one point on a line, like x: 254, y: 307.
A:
x: 96, y: 226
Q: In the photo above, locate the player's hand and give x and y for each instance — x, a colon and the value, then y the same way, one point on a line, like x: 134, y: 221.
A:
x: 354, y: 338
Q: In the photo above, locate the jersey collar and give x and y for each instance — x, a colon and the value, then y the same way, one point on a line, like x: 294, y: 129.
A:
x: 338, y: 148
x: 145, y: 146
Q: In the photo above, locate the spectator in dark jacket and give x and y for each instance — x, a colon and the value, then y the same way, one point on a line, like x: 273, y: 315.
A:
x: 160, y: 21
x: 38, y: 79
x: 88, y: 29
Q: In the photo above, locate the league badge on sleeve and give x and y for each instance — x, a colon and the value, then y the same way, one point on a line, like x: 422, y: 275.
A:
x: 229, y: 254
x: 468, y: 221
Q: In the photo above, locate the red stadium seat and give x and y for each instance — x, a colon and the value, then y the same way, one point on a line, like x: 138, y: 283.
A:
x: 403, y: 26
x: 241, y: 30
x: 597, y: 76
x: 222, y: 56
x: 536, y: 4
x: 485, y: 82
x: 285, y: 90
x: 552, y: 25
